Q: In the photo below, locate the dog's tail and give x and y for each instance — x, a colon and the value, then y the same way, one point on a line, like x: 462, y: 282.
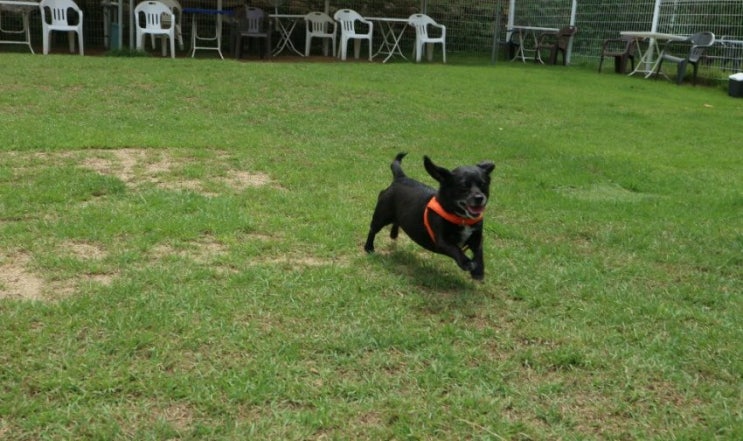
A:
x: 396, y: 166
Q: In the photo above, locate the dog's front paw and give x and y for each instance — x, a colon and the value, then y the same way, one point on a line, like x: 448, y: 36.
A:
x: 468, y: 265
x: 476, y: 271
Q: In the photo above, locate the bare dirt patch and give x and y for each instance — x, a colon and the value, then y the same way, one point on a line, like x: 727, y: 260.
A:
x: 16, y: 281
x: 300, y: 261
x: 60, y: 289
x: 166, y: 169
x: 136, y: 166
x: 202, y: 251
x: 19, y: 281
x: 240, y: 180
x: 120, y: 163
x: 179, y: 416
x: 84, y: 250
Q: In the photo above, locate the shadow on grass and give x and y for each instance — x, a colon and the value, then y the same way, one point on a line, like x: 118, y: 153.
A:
x: 425, y: 272
x: 439, y: 288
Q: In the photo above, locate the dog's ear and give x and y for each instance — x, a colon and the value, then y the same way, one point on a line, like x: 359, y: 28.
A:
x: 487, y: 166
x: 439, y: 173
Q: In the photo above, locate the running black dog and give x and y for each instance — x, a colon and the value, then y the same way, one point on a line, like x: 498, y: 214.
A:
x: 447, y: 221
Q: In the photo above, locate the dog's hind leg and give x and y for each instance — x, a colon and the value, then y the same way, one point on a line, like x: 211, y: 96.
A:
x: 369, y: 245
x: 378, y: 222
x: 394, y: 231
x: 383, y: 215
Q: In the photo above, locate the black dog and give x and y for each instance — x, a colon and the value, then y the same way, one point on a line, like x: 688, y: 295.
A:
x: 448, y: 221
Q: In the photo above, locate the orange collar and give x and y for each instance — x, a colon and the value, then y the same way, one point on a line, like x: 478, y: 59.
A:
x: 434, y: 205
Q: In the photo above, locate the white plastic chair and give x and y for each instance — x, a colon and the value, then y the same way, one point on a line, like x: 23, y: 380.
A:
x: 319, y: 24
x: 177, y: 9
x: 347, y: 19
x: 421, y: 23
x: 55, y: 16
x: 155, y: 18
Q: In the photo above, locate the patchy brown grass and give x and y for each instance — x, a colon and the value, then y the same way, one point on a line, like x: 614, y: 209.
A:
x: 135, y: 167
x: 17, y: 280
x: 84, y: 250
x: 202, y: 251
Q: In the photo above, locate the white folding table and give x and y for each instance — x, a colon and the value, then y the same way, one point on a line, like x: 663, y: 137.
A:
x: 392, y: 30
x: 650, y: 59
x: 24, y: 9
x: 207, y: 42
x: 285, y: 24
x: 524, y: 32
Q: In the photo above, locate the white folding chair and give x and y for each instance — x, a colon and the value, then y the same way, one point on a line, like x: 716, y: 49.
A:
x: 347, y: 19
x: 320, y: 25
x: 155, y: 18
x: 56, y: 16
x: 421, y: 23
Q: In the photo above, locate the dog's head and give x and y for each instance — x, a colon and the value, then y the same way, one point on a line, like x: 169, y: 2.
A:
x: 464, y: 190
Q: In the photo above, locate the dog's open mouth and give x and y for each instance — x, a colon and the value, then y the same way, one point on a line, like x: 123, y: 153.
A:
x: 471, y: 209
x: 475, y: 210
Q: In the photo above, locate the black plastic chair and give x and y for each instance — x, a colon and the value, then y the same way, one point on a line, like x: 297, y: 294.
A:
x: 699, y: 43
x: 555, y: 42
x: 252, y: 23
x: 731, y: 53
x: 621, y: 49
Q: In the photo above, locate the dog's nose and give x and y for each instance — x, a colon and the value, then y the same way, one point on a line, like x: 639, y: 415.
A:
x: 478, y: 199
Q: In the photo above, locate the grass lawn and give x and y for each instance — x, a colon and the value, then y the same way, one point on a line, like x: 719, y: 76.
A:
x: 181, y: 254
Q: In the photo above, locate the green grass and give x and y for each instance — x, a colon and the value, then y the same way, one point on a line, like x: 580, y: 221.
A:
x: 181, y: 254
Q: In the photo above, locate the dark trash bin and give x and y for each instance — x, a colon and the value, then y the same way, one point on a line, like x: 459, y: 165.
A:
x: 113, y: 37
x: 735, y: 85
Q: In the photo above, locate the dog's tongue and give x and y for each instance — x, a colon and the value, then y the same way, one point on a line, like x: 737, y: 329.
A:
x: 475, y: 210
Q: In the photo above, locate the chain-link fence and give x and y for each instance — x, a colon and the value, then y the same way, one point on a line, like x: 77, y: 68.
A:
x: 479, y: 28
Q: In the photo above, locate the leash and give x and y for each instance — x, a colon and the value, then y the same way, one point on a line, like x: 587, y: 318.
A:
x: 435, y: 206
